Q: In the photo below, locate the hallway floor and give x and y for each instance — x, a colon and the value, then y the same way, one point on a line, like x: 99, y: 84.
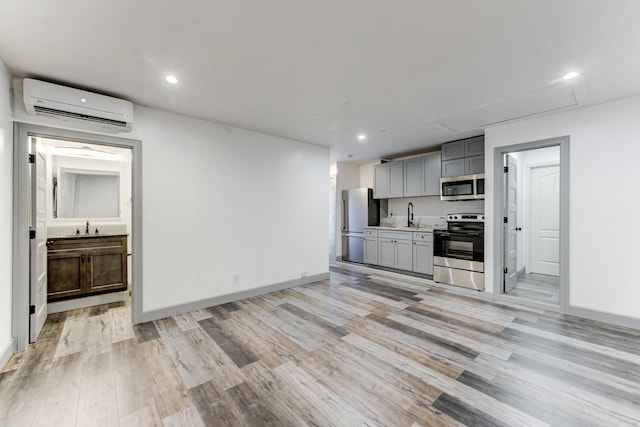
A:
x: 365, y: 348
x: 538, y: 287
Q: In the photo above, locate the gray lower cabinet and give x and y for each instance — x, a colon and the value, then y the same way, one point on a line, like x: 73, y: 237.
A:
x: 371, y: 246
x: 395, y: 250
x: 423, y: 253
x: 371, y: 250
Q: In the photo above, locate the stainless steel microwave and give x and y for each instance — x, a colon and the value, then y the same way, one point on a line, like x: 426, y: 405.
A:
x: 466, y: 187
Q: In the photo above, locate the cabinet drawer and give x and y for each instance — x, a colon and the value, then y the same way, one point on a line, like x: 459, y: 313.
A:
x: 395, y: 235
x: 370, y: 233
x: 423, y: 237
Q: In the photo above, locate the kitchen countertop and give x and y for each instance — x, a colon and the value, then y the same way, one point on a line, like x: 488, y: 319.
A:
x: 404, y: 228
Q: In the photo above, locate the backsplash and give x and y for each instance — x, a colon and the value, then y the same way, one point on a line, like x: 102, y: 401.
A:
x: 68, y: 230
x: 432, y: 206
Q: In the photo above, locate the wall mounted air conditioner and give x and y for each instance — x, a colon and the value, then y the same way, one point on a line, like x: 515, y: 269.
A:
x: 48, y: 99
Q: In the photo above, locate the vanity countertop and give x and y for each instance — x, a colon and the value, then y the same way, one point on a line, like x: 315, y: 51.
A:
x: 87, y: 236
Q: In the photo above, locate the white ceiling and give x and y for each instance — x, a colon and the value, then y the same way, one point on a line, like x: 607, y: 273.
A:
x: 325, y: 71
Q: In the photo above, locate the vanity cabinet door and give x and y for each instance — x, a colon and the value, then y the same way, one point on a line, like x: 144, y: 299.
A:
x: 88, y: 265
x: 106, y: 270
x: 66, y: 274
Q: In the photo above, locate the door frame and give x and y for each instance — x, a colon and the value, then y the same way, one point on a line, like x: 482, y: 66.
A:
x: 21, y: 207
x: 498, y: 235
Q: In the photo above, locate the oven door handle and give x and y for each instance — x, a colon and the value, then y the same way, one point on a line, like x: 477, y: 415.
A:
x: 454, y: 234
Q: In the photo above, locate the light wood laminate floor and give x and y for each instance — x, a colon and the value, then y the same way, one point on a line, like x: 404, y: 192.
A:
x: 365, y: 348
x: 537, y: 287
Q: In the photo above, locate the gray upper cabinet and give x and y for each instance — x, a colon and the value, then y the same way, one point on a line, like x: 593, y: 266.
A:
x: 473, y: 165
x: 474, y: 146
x: 463, y: 157
x: 381, y: 181
x: 396, y: 179
x: 413, y: 173
x: 388, y: 180
x: 431, y: 175
x: 422, y: 176
x: 453, y: 167
x: 453, y: 150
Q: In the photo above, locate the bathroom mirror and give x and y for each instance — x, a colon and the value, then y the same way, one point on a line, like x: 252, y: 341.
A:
x: 85, y: 193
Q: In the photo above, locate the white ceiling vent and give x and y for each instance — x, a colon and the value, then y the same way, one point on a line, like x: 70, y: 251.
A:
x: 528, y: 104
x: 43, y: 98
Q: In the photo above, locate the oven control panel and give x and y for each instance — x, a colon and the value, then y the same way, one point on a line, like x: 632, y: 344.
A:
x: 466, y: 217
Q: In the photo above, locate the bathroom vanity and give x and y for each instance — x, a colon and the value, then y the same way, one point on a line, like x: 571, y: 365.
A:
x: 86, y: 265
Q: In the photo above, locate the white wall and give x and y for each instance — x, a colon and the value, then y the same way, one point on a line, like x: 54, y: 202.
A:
x: 220, y: 201
x: 6, y: 206
x: 604, y: 152
x: 366, y: 174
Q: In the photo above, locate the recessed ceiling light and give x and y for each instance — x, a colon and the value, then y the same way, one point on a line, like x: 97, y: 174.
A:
x: 571, y: 75
x: 362, y: 137
x: 171, y: 79
x: 315, y: 117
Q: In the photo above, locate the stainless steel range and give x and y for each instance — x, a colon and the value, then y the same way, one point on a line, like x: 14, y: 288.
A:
x: 458, y: 251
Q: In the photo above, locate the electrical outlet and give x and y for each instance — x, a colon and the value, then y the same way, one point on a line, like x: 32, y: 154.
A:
x: 236, y: 278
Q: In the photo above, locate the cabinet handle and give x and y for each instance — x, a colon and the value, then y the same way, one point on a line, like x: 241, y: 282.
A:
x: 82, y: 259
x: 89, y: 259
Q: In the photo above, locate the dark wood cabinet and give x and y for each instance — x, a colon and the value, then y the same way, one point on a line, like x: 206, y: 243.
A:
x: 86, y: 265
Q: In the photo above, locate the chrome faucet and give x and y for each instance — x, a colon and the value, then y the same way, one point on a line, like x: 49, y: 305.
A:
x: 86, y: 230
x: 409, y: 214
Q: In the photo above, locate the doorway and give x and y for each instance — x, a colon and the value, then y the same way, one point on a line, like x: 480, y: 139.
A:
x: 42, y: 209
x: 534, y: 201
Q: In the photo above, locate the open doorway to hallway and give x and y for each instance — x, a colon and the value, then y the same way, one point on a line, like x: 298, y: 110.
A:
x: 531, y: 206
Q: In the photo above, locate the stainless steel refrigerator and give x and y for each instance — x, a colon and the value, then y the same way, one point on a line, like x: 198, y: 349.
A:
x: 359, y: 209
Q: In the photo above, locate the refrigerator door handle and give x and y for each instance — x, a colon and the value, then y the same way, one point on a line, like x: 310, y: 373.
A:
x: 344, y: 217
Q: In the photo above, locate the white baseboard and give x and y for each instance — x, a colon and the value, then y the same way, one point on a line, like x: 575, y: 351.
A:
x: 6, y: 352
x: 223, y: 299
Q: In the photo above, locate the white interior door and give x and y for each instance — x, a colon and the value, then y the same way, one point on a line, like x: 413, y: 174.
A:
x: 544, y: 219
x: 510, y: 228
x: 38, y: 246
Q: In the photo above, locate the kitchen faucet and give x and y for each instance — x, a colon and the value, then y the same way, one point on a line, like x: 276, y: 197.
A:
x: 409, y: 214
